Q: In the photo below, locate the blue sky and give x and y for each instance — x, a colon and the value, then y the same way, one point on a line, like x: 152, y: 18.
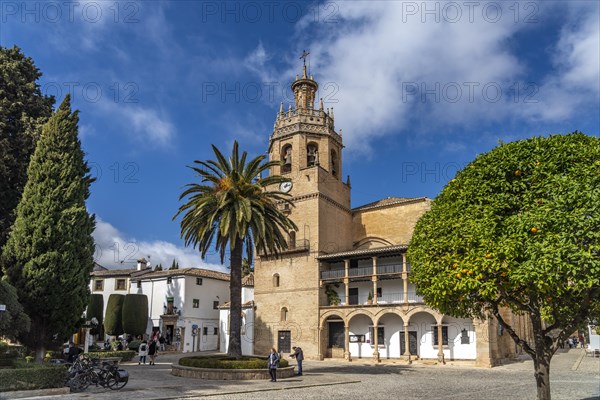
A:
x: 418, y: 89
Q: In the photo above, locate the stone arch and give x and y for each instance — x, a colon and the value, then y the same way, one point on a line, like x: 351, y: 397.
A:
x: 331, y: 313
x: 284, y: 313
x: 334, y: 163
x: 370, y: 242
x: 286, y: 158
x: 312, y: 154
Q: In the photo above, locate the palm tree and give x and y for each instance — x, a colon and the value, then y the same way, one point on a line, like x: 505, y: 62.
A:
x: 234, y: 207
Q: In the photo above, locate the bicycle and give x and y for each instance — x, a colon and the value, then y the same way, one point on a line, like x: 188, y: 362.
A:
x: 85, y: 371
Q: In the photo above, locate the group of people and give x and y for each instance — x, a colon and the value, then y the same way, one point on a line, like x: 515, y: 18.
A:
x: 273, y: 361
x: 573, y: 341
x: 150, y: 350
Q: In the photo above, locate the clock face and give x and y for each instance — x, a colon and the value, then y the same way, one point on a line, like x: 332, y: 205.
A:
x: 285, y: 186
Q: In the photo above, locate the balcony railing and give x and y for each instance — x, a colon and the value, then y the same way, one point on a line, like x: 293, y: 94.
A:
x: 387, y: 298
x: 360, y: 271
x: 389, y: 269
x: 333, y: 273
x: 297, y: 246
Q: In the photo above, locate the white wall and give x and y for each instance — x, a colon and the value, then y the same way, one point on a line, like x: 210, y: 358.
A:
x: 247, y: 331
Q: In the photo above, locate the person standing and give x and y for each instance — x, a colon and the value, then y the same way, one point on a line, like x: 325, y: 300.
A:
x: 143, y: 352
x: 272, y: 364
x: 298, y: 354
x: 152, y: 350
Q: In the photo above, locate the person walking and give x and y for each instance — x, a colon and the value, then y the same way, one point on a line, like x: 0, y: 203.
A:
x: 143, y: 352
x: 152, y: 350
x: 272, y: 364
x: 298, y: 354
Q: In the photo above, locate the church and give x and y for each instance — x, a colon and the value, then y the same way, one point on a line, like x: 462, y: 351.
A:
x: 343, y: 287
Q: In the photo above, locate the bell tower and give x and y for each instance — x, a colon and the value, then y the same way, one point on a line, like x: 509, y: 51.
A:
x: 305, y: 141
x: 287, y: 288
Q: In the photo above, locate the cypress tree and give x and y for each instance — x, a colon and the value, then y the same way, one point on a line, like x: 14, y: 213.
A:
x: 23, y: 111
x: 113, y: 320
x: 135, y: 314
x: 48, y: 257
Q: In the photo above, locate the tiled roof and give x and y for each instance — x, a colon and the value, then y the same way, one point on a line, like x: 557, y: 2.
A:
x: 388, y: 202
x: 248, y: 280
x: 366, y: 253
x: 147, y: 273
x: 117, y: 272
x: 199, y: 272
x: 247, y: 304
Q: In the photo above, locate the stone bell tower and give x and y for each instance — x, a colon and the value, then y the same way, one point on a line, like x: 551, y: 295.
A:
x: 287, y: 292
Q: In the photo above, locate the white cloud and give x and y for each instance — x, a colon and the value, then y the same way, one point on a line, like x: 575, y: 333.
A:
x: 575, y: 82
x: 391, y: 66
x: 112, y: 247
x: 145, y: 125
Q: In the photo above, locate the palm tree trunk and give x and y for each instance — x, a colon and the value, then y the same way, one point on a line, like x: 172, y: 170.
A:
x: 235, y: 293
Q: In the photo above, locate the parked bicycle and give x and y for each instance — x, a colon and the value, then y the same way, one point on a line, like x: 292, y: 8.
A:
x: 86, y: 371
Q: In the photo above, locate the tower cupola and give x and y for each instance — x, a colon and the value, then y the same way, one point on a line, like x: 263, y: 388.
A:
x: 304, y: 89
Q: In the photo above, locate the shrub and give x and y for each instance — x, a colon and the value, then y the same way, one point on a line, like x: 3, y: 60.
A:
x: 126, y: 355
x: 224, y: 362
x: 35, y: 376
x: 134, y: 345
x: 113, y: 321
x: 135, y: 314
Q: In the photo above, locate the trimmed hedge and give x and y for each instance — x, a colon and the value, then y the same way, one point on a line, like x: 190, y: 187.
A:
x: 33, y: 377
x: 113, y: 320
x: 126, y: 355
x: 134, y: 345
x: 135, y: 314
x: 224, y: 362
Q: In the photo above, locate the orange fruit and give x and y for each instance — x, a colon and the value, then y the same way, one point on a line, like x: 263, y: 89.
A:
x: 534, y: 230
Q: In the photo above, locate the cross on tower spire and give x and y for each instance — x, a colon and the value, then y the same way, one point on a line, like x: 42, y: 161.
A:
x: 304, y: 55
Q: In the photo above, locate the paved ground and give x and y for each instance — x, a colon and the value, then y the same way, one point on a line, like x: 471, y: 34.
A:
x: 573, y: 377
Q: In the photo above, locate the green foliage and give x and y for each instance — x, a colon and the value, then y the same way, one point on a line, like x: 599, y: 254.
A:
x: 224, y: 362
x: 50, y: 248
x: 95, y: 308
x: 135, y: 314
x: 13, y: 321
x: 518, y: 227
x: 332, y: 297
x: 125, y: 355
x: 35, y: 376
x: 23, y: 111
x: 113, y: 322
x: 134, y: 345
x: 234, y: 207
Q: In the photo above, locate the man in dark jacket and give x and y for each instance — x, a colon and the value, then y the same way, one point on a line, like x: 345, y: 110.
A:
x: 299, y: 356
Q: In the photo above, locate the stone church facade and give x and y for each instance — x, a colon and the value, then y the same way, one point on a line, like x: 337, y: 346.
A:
x: 343, y: 288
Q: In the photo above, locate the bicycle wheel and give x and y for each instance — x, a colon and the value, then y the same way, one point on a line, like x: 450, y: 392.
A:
x: 79, y: 382
x: 117, y: 379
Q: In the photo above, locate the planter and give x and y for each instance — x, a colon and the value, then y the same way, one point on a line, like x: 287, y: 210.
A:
x: 229, y: 374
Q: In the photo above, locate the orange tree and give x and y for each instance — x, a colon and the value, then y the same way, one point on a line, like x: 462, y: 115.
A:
x: 519, y: 227
x: 233, y: 208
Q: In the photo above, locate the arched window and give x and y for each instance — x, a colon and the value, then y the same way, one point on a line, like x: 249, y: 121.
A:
x: 275, y: 280
x: 312, y: 155
x: 334, y: 163
x: 286, y: 158
x: 292, y: 240
x: 284, y: 314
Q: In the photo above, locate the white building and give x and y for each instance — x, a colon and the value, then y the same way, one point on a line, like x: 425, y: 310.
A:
x: 183, y: 304
x: 247, y: 318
